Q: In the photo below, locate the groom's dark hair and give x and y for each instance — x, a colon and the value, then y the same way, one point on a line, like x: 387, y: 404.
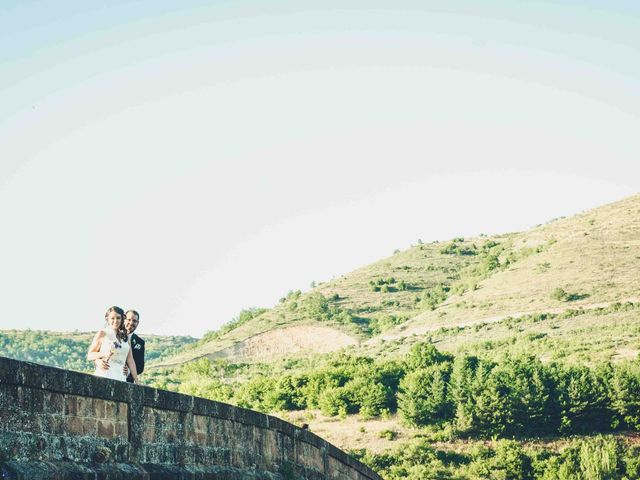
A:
x: 135, y: 313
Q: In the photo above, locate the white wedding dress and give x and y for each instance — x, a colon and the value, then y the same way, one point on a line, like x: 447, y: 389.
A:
x: 120, y: 349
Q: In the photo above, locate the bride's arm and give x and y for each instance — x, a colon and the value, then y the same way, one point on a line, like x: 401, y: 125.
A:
x: 94, y: 349
x: 132, y: 365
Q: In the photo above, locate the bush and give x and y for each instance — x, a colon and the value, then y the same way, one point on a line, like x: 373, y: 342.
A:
x: 581, y: 400
x: 625, y: 395
x: 434, y: 296
x: 508, y: 462
x: 456, y: 247
x: 423, y: 354
x: 388, y: 434
x: 423, y: 396
x: 334, y: 401
x: 382, y: 323
x: 256, y: 394
x: 366, y: 396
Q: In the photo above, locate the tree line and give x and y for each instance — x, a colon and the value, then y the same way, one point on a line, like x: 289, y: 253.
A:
x: 466, y: 395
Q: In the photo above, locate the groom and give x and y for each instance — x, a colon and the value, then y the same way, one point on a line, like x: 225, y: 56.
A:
x: 131, y: 321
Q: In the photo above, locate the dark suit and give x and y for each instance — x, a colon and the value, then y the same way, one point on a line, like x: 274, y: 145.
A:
x: 137, y: 346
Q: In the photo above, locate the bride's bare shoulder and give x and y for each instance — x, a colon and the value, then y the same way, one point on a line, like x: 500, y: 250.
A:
x: 99, y: 334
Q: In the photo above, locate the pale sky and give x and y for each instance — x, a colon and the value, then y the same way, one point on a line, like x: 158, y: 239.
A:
x: 191, y: 159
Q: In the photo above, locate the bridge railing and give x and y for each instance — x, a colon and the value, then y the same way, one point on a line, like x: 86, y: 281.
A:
x: 70, y: 424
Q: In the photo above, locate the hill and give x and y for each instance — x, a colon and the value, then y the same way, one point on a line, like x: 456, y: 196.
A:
x: 490, y: 357
x: 547, y: 289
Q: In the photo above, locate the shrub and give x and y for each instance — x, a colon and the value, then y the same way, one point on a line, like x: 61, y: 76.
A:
x: 434, y: 296
x: 508, y: 462
x: 581, y: 400
x: 388, y: 434
x: 625, y: 395
x: 334, y: 401
x: 423, y: 396
x: 366, y: 396
x: 559, y: 294
x: 423, y: 355
x: 599, y: 458
x: 455, y: 247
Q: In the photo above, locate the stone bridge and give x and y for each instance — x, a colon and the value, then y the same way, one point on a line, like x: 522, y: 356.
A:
x: 59, y: 424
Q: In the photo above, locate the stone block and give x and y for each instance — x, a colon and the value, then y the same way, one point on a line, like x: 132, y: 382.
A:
x: 30, y: 399
x: 27, y: 422
x: 166, y: 400
x: 199, y: 438
x: 10, y: 418
x: 85, y: 407
x: 122, y: 409
x: 274, y: 423
x: 121, y: 429
x: 241, y: 459
x: 54, y: 403
x: 110, y: 410
x: 286, y: 447
x: 56, y: 425
x: 74, y: 425
x: 202, y: 406
x: 309, y: 456
x: 98, y: 407
x: 225, y: 411
x: 106, y: 428
x: 339, y: 471
x: 8, y: 395
x: 200, y: 423
x: 89, y: 426
x: 9, y: 371
x: 149, y: 434
x: 71, y: 405
x: 270, y: 447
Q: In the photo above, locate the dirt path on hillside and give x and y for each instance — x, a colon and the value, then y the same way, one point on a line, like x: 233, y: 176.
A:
x: 423, y: 329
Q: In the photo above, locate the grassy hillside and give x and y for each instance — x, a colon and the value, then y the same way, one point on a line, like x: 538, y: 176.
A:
x: 463, y: 293
x: 545, y: 323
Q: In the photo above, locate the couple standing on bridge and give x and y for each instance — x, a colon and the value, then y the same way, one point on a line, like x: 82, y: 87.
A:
x: 118, y: 352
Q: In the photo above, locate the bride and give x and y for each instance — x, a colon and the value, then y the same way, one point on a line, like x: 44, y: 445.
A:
x: 112, y: 345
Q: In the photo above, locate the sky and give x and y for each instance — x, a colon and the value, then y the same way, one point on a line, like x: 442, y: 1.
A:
x: 191, y: 159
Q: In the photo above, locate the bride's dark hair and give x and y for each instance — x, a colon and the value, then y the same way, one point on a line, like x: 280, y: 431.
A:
x: 121, y: 331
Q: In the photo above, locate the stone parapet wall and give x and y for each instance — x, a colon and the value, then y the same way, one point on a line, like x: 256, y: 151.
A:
x: 61, y: 424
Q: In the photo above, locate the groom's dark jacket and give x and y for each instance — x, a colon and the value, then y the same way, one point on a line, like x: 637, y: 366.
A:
x: 137, y: 346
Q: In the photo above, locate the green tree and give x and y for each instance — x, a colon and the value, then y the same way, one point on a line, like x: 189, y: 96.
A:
x: 423, y: 396
x: 462, y: 392
x: 581, y: 400
x: 625, y: 395
x: 423, y: 355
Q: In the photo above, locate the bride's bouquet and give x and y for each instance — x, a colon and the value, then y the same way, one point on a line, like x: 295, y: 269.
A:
x: 114, y: 348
